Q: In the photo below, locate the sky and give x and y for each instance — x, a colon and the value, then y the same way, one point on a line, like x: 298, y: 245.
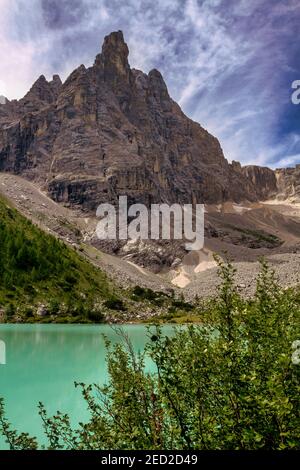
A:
x: 230, y: 64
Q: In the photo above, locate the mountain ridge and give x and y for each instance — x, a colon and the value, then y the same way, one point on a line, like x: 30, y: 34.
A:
x: 110, y: 130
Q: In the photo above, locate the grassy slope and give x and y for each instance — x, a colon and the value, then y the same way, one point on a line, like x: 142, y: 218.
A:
x: 37, y: 268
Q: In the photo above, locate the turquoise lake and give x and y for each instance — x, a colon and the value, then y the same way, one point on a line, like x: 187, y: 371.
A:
x: 42, y: 363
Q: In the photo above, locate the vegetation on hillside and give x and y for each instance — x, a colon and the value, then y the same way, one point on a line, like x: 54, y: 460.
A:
x: 38, y: 269
x: 230, y: 383
x: 44, y: 280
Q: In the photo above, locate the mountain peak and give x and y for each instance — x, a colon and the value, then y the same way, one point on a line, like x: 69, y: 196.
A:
x: 41, y: 79
x: 114, y: 57
x: 42, y: 92
x: 115, y: 39
x: 56, y: 79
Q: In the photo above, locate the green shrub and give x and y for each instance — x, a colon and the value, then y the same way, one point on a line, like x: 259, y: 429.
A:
x: 9, y: 311
x: 182, y: 305
x: 144, y: 293
x: 115, y: 304
x: 96, y: 316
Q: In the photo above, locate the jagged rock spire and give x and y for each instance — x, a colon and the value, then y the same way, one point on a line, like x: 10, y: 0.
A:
x: 114, y: 58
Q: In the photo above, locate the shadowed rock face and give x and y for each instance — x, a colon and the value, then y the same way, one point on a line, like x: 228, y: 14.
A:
x: 112, y: 130
x: 264, y: 180
x: 288, y: 183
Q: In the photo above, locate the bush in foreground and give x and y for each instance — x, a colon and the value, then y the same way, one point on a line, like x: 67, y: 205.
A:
x: 229, y: 383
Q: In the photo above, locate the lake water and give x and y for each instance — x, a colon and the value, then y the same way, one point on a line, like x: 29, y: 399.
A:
x: 42, y: 363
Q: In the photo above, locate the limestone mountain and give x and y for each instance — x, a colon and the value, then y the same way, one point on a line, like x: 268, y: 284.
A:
x: 111, y: 130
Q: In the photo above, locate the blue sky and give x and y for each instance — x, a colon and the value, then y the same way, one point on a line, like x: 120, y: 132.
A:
x: 229, y: 63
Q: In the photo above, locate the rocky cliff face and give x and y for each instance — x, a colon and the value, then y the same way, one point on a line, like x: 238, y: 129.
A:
x: 112, y: 130
x: 263, y: 179
x: 288, y: 184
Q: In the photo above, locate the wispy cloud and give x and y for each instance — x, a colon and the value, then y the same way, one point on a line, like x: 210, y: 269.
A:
x: 229, y: 63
